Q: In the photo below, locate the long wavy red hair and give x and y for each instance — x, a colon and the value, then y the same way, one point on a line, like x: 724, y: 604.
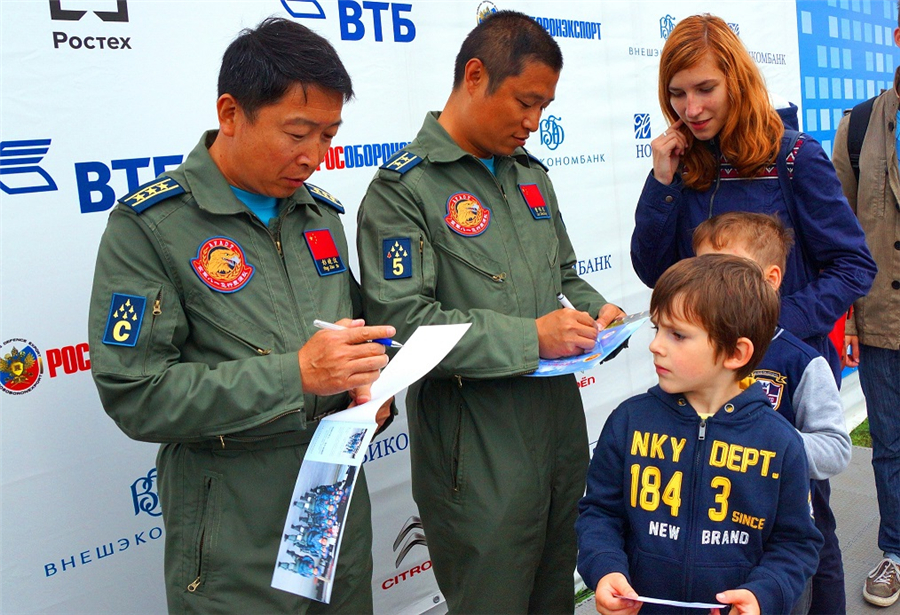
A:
x: 751, y: 136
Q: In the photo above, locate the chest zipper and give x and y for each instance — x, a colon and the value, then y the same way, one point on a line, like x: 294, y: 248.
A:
x: 532, y: 274
x: 496, y: 277
x: 698, y: 458
x: 231, y: 334
x: 712, y: 198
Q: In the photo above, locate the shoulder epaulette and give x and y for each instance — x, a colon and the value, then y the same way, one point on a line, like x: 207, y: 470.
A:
x: 152, y: 193
x: 401, y: 162
x: 537, y: 160
x: 325, y: 197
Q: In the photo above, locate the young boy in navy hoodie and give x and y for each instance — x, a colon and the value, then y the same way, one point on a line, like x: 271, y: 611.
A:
x: 800, y: 386
x: 697, y: 491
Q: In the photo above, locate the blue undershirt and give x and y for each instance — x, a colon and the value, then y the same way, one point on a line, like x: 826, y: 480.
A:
x: 265, y: 207
x: 489, y: 163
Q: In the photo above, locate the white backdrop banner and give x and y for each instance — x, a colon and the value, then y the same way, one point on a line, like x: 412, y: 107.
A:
x: 99, y: 97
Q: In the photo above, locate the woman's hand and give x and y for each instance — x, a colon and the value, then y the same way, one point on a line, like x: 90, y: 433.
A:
x: 667, y: 151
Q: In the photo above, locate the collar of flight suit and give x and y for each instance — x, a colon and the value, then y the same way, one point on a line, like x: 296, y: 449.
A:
x: 441, y: 147
x: 211, y: 190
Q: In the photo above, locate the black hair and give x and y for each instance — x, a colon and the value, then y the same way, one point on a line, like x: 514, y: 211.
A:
x: 504, y: 41
x: 261, y: 64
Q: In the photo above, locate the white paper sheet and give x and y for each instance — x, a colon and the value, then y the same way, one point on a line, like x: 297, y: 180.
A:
x: 424, y: 349
x: 678, y: 603
x: 314, y: 525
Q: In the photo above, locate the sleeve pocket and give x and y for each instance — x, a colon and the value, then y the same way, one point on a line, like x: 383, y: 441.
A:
x: 132, y: 325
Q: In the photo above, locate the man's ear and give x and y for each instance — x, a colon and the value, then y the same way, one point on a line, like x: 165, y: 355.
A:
x: 741, y: 355
x: 475, y: 75
x: 227, y: 109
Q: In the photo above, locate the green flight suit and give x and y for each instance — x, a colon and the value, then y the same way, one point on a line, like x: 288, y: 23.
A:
x: 208, y: 367
x: 498, y: 459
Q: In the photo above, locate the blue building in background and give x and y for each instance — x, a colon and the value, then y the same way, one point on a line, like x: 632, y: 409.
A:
x: 847, y: 54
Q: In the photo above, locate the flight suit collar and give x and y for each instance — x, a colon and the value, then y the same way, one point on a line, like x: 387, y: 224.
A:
x: 442, y: 148
x: 211, y: 190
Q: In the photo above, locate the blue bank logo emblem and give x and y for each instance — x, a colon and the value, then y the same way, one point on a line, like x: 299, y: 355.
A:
x: 144, y: 495
x: 304, y: 9
x: 641, y: 125
x: 381, y: 21
x: 552, y: 133
x: 19, y: 170
x: 666, y: 25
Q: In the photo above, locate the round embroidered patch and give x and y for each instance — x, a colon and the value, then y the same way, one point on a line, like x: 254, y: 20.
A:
x: 21, y: 366
x: 466, y: 215
x: 220, y: 263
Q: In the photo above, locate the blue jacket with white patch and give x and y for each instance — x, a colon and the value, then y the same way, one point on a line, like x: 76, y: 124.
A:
x: 827, y: 270
x: 686, y: 507
x: 800, y: 386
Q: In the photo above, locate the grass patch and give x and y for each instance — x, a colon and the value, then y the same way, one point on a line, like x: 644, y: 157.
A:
x: 861, y: 436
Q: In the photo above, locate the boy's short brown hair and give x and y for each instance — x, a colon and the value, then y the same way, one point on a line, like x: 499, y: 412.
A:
x: 726, y: 295
x: 763, y: 236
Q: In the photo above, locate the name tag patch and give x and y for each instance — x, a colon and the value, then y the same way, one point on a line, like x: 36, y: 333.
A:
x: 324, y: 252
x: 396, y: 258
x: 535, y: 200
x: 123, y: 325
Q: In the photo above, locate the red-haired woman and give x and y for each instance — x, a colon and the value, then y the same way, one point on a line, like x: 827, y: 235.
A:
x: 719, y: 154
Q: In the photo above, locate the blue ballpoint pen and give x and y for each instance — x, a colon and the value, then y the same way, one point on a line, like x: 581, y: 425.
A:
x: 321, y: 324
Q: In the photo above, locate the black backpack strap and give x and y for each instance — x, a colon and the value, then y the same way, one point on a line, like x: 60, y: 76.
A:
x: 786, y: 175
x: 859, y: 123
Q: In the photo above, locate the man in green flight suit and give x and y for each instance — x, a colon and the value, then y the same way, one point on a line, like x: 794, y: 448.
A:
x: 463, y: 226
x: 207, y: 283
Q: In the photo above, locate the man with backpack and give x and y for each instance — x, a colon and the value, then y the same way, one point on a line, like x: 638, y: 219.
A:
x: 865, y: 157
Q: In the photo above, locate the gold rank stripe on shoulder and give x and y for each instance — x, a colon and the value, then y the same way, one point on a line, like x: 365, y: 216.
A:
x: 151, y: 193
x: 402, y: 162
x: 325, y: 197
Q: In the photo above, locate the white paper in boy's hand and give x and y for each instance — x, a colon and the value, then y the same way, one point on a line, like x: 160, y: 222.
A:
x: 425, y: 348
x: 686, y: 605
